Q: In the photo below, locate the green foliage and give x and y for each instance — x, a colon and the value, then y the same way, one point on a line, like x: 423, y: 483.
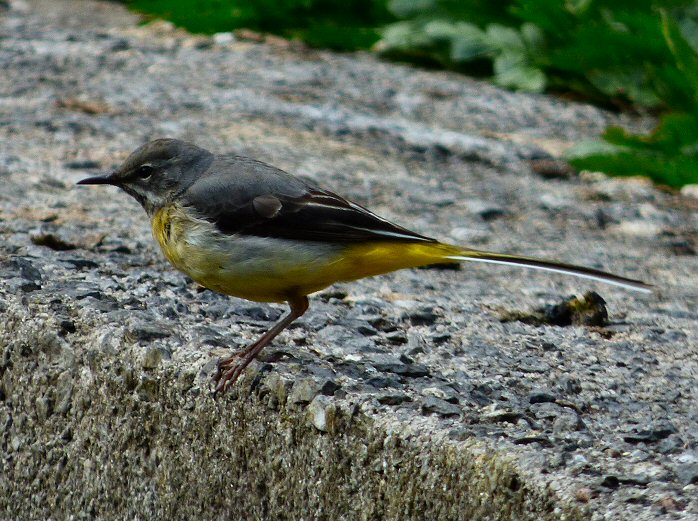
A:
x: 669, y: 155
x: 607, y: 50
x: 336, y: 24
x: 508, y: 53
x: 643, y: 52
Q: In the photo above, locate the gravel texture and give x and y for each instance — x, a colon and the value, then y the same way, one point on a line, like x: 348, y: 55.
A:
x: 407, y: 396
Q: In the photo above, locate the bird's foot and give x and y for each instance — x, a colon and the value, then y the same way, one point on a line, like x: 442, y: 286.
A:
x: 227, y: 374
x: 230, y: 369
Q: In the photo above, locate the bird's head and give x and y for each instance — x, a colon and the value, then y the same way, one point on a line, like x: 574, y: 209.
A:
x: 157, y: 172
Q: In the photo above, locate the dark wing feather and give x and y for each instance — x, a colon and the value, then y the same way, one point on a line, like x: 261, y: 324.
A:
x: 243, y: 196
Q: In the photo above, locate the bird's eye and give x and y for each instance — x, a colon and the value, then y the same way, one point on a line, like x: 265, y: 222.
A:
x: 144, y: 171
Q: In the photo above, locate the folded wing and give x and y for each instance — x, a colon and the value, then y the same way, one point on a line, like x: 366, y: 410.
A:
x: 263, y: 201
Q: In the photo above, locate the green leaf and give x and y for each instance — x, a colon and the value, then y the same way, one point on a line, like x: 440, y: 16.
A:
x: 533, y: 37
x: 689, y: 29
x: 505, y: 38
x: 622, y: 138
x: 440, y: 30
x: 675, y: 132
x: 469, y: 43
x: 627, y: 82
x: 512, y: 70
x: 685, y: 56
x: 668, y: 155
x: 591, y: 147
x: 403, y: 36
x: 672, y: 88
x: 674, y: 171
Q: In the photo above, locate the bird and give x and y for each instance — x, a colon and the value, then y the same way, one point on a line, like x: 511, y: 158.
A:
x: 244, y: 228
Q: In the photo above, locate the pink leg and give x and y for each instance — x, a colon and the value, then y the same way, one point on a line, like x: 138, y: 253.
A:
x: 230, y: 369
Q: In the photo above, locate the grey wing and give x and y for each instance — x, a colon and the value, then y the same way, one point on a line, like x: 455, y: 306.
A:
x: 243, y: 196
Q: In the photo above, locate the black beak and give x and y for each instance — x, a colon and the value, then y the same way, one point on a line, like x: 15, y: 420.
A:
x: 107, y: 179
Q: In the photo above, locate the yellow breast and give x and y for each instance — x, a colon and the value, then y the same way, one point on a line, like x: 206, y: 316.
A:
x: 167, y: 228
x: 256, y: 268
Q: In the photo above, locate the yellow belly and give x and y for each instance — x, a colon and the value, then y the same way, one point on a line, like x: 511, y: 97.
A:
x: 273, y: 270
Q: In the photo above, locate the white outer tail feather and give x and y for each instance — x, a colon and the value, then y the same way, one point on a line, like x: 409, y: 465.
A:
x: 535, y: 264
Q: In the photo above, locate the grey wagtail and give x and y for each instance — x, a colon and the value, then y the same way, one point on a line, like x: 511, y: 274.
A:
x: 245, y: 228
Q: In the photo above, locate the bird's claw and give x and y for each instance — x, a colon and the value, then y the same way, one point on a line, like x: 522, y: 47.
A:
x: 228, y: 371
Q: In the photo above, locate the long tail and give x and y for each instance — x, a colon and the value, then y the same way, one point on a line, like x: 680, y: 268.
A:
x: 545, y: 265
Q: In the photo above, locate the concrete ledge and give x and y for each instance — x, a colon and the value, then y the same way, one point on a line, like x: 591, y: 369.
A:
x: 89, y: 436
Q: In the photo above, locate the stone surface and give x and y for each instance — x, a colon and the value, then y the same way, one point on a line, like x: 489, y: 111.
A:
x: 398, y: 397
